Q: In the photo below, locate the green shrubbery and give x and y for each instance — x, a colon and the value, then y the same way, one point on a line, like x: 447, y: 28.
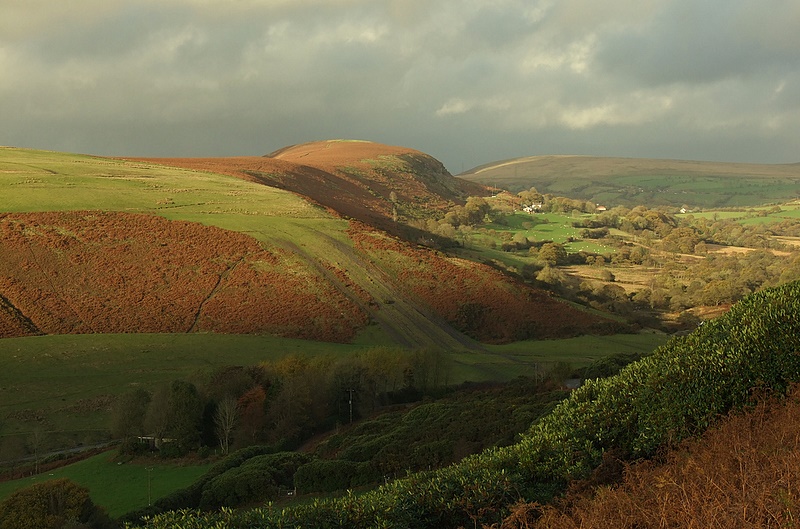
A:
x: 678, y: 391
x: 326, y: 475
x: 260, y: 478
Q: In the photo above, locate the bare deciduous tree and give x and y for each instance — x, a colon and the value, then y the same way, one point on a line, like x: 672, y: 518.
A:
x: 224, y: 422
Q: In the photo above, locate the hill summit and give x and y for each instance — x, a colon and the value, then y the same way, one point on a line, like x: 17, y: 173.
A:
x: 375, y: 183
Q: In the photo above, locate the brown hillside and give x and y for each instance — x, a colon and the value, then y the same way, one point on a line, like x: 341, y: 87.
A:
x: 102, y: 272
x: 370, y: 182
x: 474, y: 298
x: 95, y: 272
x: 743, y: 474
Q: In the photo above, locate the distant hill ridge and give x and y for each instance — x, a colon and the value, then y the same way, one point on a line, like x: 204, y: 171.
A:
x: 634, y: 181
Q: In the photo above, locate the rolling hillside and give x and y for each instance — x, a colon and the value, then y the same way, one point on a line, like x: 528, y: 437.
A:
x: 97, y: 245
x: 378, y: 184
x: 632, y: 181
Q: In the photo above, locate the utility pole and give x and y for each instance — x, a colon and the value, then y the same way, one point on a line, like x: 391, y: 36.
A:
x: 351, y: 403
x: 149, y: 472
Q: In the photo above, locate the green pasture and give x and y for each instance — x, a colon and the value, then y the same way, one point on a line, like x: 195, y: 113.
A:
x: 119, y: 487
x: 64, y: 379
x: 60, y: 376
x: 50, y: 181
x: 756, y: 215
x: 532, y: 357
x: 555, y: 227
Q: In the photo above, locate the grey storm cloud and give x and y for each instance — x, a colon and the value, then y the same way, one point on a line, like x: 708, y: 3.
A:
x: 467, y: 81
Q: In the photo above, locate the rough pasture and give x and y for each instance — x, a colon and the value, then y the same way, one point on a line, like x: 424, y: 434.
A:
x: 102, y: 272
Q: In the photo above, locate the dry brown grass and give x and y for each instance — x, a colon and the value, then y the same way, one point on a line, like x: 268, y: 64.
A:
x: 745, y: 473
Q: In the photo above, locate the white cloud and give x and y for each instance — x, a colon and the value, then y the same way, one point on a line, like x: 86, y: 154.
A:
x: 636, y: 110
x: 455, y: 106
x: 576, y: 57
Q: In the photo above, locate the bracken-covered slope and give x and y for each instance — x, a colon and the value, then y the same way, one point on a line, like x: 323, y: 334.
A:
x: 97, y: 245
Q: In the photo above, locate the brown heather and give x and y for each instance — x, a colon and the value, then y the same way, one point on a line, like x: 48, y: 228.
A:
x: 744, y: 473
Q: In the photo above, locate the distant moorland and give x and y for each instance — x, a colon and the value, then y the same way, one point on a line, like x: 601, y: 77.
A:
x: 633, y: 181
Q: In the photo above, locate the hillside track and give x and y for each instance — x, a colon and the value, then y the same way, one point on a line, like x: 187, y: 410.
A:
x: 396, y: 312
x: 377, y: 295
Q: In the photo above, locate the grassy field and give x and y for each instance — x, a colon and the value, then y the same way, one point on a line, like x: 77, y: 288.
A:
x: 51, y: 181
x: 116, y: 486
x: 555, y: 227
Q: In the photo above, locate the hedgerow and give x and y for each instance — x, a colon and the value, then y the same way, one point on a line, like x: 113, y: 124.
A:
x: 678, y: 391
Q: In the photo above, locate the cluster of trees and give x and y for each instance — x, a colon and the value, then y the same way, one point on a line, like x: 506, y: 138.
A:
x: 281, y: 403
x: 54, y: 504
x: 431, y: 434
x: 657, y: 238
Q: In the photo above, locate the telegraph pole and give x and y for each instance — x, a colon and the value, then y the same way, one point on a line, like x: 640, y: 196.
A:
x: 149, y: 472
x: 351, y: 403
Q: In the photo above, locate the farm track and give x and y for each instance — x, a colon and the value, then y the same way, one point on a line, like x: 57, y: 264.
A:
x: 222, y: 276
x: 434, y: 328
x: 407, y: 324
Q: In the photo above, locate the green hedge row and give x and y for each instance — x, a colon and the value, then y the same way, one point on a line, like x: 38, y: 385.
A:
x: 678, y: 391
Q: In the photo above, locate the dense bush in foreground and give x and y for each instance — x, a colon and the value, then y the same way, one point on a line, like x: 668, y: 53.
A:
x: 678, y: 391
x: 742, y: 473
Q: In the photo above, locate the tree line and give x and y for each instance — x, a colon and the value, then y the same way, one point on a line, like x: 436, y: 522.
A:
x: 280, y: 403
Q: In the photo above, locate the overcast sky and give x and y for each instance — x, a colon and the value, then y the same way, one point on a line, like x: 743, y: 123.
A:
x: 466, y: 81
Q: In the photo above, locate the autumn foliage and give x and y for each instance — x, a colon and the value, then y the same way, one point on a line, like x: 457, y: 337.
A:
x: 743, y: 473
x: 104, y: 272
